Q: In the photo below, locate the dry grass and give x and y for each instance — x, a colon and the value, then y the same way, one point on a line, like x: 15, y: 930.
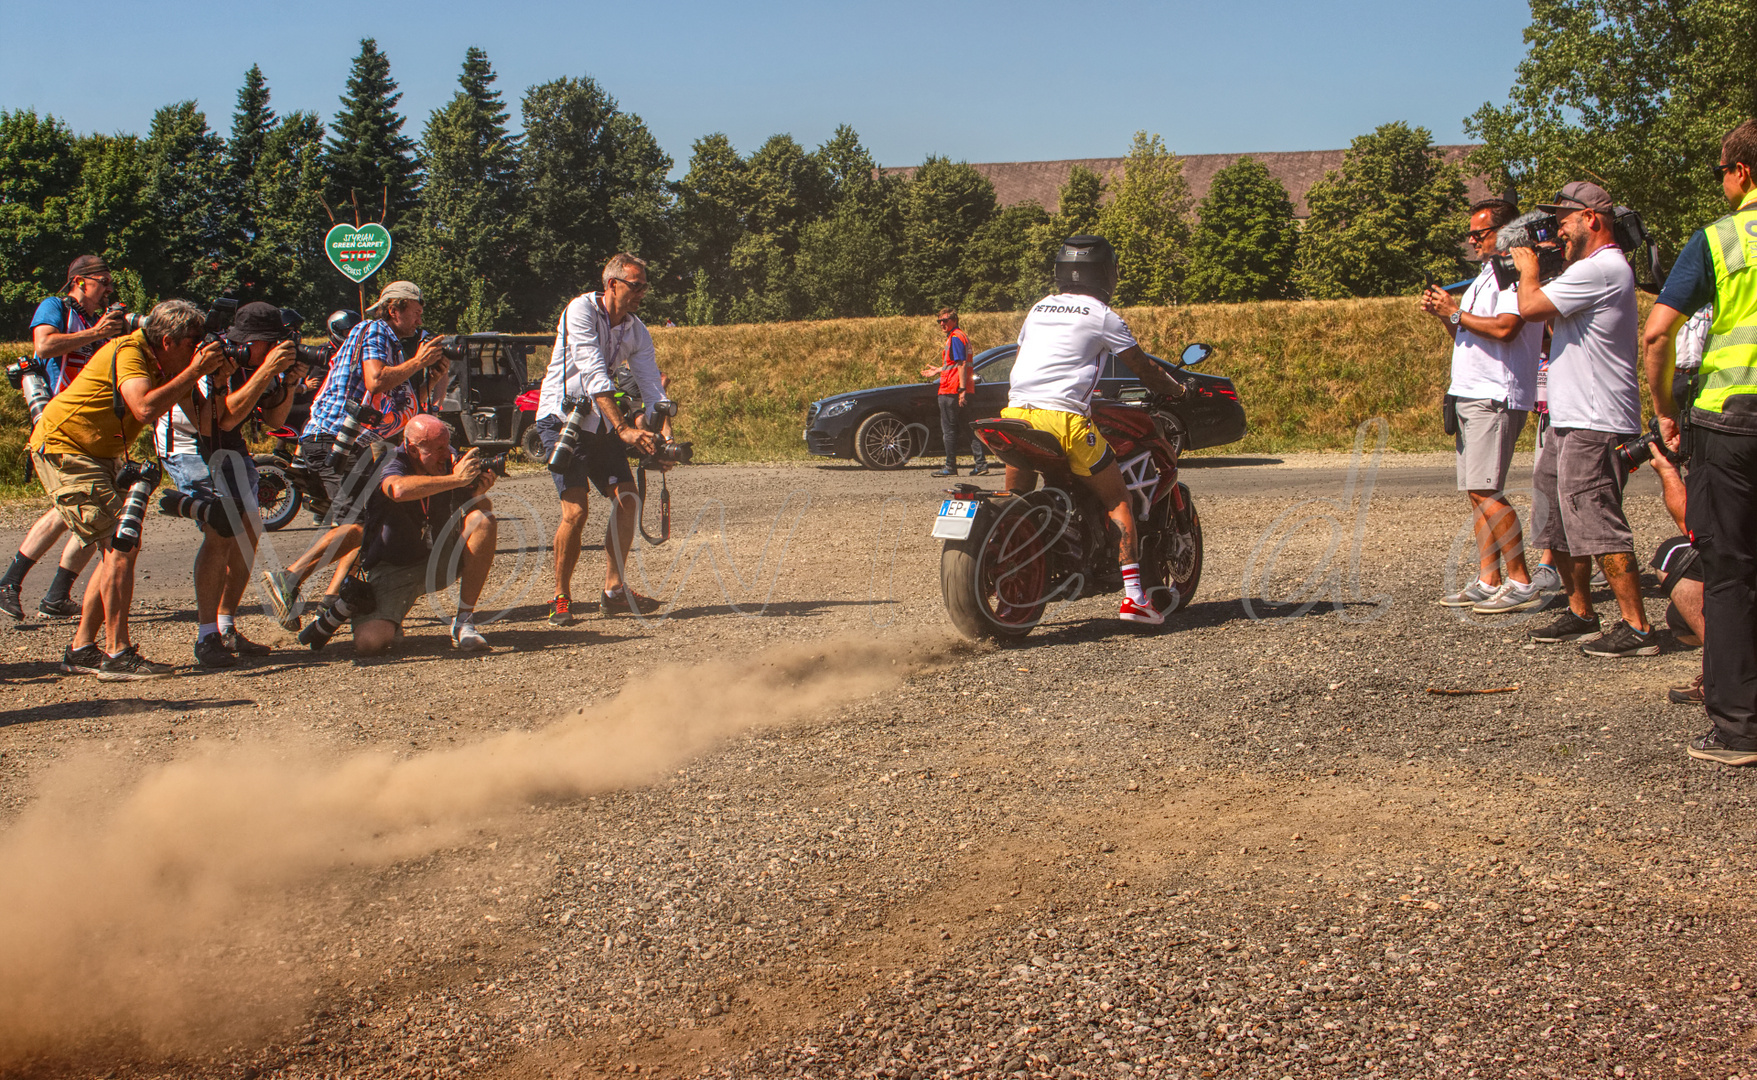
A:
x: 1308, y: 372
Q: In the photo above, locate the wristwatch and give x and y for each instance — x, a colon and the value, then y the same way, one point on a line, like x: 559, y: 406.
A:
x: 1454, y: 317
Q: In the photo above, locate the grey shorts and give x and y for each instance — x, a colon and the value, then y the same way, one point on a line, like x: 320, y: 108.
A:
x: 397, y: 589
x: 1487, y: 432
x: 1584, y: 490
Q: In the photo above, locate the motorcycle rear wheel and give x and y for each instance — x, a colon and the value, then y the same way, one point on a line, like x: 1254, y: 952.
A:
x: 1177, y: 556
x: 276, y: 497
x: 996, y: 584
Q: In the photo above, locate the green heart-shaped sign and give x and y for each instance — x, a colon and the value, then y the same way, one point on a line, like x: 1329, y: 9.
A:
x: 358, y: 250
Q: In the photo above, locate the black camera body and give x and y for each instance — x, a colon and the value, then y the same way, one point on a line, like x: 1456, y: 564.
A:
x: 1537, y: 230
x: 1630, y: 456
x: 669, y: 452
x: 130, y: 319
x: 495, y: 464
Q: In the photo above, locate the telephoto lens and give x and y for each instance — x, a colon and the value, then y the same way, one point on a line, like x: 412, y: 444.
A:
x: 129, y: 319
x: 141, y: 480
x: 355, y: 598
x: 359, y: 415
x: 30, y: 378
x: 568, y: 442
x: 216, y: 514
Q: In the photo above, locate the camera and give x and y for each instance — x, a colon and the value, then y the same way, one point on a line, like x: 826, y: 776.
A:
x: 29, y: 377
x: 216, y: 513
x: 669, y: 452
x: 132, y: 321
x: 354, y: 598
x: 140, y: 480
x: 1635, y: 453
x: 1537, y: 230
x: 495, y: 464
x: 567, y: 443
x: 359, y: 416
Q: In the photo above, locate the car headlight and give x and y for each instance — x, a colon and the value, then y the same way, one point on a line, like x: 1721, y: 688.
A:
x: 835, y: 408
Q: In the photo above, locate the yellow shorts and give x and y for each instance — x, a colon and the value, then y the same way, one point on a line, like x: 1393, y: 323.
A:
x: 1086, y: 449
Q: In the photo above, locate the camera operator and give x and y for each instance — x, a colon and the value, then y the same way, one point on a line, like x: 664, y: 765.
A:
x: 369, y: 366
x: 1494, y: 375
x: 1595, y: 405
x: 430, y: 525
x: 598, y: 332
x: 79, y: 447
x: 1722, y: 419
x: 204, y: 454
x: 65, y: 331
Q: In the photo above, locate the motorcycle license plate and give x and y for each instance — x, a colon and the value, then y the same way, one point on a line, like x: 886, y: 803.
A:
x: 956, y: 518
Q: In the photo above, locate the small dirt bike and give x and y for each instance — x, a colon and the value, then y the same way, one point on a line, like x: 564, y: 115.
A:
x: 285, y: 481
x: 1009, y: 555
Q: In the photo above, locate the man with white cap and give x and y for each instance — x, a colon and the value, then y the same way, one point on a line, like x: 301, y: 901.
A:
x: 369, y: 367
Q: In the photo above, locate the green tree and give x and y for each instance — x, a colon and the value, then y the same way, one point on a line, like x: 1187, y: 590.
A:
x: 368, y: 157
x: 1076, y: 214
x: 185, y: 195
x: 944, y: 205
x: 39, y: 171
x: 1148, y: 222
x: 1635, y: 96
x: 784, y: 189
x: 108, y: 214
x: 1384, y: 223
x: 710, y: 213
x: 1077, y: 208
x: 846, y: 261
x: 997, y: 257
x: 1246, y: 240
x: 463, y: 250
x: 286, y: 254
x: 594, y: 184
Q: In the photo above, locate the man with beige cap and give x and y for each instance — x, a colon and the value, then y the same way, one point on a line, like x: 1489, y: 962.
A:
x: 368, y: 367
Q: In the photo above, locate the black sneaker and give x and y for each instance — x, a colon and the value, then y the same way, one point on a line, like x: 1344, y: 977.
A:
x: 559, y: 615
x: 980, y: 470
x: 947, y: 471
x: 1690, y: 693
x: 1709, y: 747
x: 60, y: 607
x: 130, y: 666
x: 9, y: 602
x: 239, y: 645
x: 1624, y: 640
x: 1570, y: 627
x: 85, y: 660
x: 212, y: 654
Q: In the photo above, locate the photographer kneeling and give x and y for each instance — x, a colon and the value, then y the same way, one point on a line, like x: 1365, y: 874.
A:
x: 206, y: 457
x: 429, y: 524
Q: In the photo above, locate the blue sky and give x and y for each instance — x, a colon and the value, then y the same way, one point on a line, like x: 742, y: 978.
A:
x: 977, y: 81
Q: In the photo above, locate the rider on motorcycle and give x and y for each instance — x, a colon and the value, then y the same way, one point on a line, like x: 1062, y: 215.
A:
x: 1062, y: 347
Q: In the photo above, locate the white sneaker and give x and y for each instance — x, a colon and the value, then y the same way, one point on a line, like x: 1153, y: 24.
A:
x: 1546, y: 578
x: 468, y: 638
x: 1509, y: 598
x: 1469, y: 596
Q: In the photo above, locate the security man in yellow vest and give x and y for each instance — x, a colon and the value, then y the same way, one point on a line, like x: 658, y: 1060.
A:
x: 1719, y: 266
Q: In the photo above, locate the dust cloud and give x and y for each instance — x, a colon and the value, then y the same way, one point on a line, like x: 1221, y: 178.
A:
x: 146, y: 913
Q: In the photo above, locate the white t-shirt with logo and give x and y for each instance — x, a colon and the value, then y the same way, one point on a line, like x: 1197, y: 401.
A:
x: 1595, y: 345
x: 1062, y: 349
x: 1486, y: 369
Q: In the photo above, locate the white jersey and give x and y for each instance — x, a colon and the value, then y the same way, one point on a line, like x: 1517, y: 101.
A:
x: 1062, y: 348
x: 589, y: 351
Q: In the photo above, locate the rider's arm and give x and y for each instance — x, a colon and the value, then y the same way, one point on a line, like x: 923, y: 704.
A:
x: 1150, y: 373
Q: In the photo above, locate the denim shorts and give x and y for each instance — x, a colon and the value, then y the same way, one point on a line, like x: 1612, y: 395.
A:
x: 193, y: 476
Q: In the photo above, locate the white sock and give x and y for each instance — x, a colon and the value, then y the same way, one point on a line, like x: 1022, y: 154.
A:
x: 464, y: 617
x: 1132, y: 583
x: 228, y: 623
x: 1485, y: 585
x: 205, y: 629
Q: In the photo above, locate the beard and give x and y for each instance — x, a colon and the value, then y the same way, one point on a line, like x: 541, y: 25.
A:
x: 1575, y: 246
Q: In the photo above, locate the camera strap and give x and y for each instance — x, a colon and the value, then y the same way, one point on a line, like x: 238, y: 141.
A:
x: 640, y: 484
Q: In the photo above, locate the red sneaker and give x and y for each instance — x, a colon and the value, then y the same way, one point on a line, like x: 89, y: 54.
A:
x: 1140, y: 613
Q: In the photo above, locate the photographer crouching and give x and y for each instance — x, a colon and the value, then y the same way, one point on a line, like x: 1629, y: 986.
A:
x: 429, y: 524
x: 370, y: 393
x: 1594, y: 406
x: 204, y: 454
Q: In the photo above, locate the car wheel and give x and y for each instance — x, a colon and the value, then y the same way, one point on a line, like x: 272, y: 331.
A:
x: 884, y: 441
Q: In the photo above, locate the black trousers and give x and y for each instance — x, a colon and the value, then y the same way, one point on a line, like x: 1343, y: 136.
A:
x: 952, y: 429
x: 1722, y: 517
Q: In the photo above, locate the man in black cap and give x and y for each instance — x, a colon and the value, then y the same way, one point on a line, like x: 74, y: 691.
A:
x: 1595, y: 404
x: 65, y: 331
x: 205, y: 455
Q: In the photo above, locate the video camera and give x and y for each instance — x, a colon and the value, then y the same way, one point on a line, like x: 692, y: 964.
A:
x: 1537, y: 230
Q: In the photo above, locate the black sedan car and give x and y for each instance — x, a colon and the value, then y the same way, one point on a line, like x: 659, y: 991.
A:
x: 886, y: 427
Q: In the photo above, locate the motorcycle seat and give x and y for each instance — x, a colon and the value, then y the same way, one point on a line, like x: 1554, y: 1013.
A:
x: 283, y: 433
x: 1020, y: 431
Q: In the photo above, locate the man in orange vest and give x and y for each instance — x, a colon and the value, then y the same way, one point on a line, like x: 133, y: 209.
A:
x: 957, y: 384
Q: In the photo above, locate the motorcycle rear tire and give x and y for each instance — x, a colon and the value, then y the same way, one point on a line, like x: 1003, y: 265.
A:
x: 1178, y: 556
x: 276, y: 496
x: 996, y: 583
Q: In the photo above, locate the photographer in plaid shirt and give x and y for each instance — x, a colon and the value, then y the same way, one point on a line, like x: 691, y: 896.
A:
x: 368, y: 366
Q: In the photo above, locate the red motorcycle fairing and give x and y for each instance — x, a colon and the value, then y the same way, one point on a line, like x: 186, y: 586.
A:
x: 1019, y: 444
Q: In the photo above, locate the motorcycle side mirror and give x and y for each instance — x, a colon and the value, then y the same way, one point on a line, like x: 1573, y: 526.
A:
x: 1194, y: 354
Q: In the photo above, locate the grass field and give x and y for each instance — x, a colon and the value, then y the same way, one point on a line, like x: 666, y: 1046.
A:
x: 1308, y: 372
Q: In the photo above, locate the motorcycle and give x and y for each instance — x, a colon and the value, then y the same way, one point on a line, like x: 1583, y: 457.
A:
x: 285, y: 482
x: 1007, y: 556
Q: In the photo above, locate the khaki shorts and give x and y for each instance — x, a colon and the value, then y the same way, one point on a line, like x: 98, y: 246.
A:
x: 1576, y: 478
x: 84, y: 490
x: 1079, y: 439
x: 397, y: 589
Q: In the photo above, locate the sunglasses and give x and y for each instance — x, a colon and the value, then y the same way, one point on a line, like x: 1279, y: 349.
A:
x: 1477, y: 236
x: 1720, y: 171
x: 637, y: 287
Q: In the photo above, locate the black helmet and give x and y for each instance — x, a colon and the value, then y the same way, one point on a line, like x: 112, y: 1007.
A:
x: 1086, y: 265
x: 341, y: 323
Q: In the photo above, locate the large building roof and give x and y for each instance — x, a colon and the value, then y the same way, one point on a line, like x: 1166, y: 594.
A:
x: 1041, y: 181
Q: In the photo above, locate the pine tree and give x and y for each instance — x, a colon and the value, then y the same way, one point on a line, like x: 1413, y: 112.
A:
x: 1148, y: 222
x: 368, y: 156
x: 253, y: 123
x: 1386, y: 221
x: 1246, y: 238
x: 39, y: 172
x: 288, y: 254
x: 463, y: 252
x: 185, y: 188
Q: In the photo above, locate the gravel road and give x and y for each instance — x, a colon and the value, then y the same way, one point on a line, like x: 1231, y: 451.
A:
x: 792, y: 827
